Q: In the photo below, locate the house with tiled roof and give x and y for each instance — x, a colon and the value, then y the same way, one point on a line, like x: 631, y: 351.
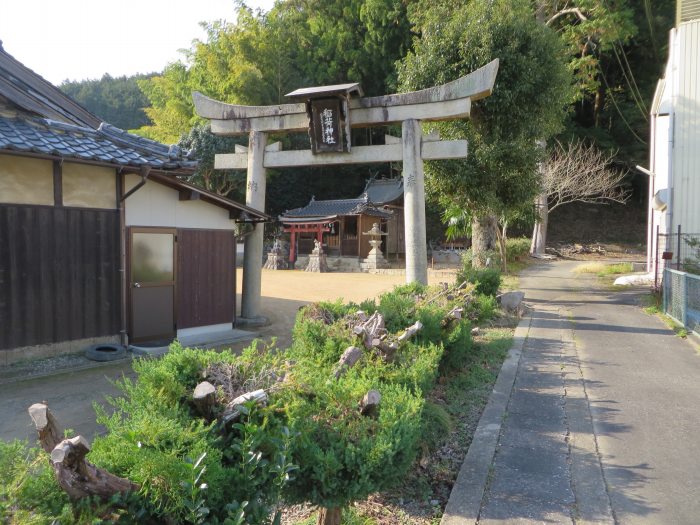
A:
x: 339, y: 223
x: 101, y: 240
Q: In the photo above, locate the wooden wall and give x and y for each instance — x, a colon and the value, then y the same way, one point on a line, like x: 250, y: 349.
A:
x: 206, y: 280
x: 59, y: 274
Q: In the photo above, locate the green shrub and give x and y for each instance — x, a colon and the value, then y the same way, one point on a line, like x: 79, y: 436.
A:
x: 343, y: 455
x: 487, y: 280
x: 29, y: 493
x: 399, y: 306
x: 436, y: 424
x: 457, y: 347
x: 154, y: 438
x: 517, y: 248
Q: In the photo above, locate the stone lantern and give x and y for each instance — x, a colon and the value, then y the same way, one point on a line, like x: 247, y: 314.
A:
x: 375, y: 259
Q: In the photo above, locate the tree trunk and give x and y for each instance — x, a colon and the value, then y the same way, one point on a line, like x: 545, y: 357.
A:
x: 329, y: 516
x: 46, y: 425
x: 483, y: 239
x: 539, y: 234
x: 501, y: 238
x: 80, y: 479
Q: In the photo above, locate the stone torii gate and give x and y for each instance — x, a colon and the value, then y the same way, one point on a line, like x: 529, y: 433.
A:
x: 329, y: 113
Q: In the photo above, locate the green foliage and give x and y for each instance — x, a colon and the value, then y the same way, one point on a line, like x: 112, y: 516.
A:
x: 517, y: 248
x: 343, y: 455
x: 528, y: 102
x: 399, y: 306
x: 29, y: 493
x: 118, y: 101
x: 153, y: 434
x: 457, y: 347
x: 204, y: 146
x: 436, y: 425
x: 487, y: 280
x: 191, y: 471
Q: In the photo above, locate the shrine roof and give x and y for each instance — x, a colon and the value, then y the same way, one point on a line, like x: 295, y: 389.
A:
x: 384, y: 191
x: 338, y: 207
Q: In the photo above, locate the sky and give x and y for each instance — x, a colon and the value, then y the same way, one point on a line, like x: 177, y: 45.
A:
x: 84, y: 39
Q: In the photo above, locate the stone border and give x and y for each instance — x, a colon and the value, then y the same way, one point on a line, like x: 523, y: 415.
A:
x: 465, y: 500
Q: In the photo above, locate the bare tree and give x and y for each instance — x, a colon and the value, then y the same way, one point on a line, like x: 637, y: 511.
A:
x: 575, y: 172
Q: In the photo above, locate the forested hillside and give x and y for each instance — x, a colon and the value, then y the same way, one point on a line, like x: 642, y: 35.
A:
x: 118, y: 101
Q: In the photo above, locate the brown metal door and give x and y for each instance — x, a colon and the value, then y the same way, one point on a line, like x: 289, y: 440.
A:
x: 152, y: 283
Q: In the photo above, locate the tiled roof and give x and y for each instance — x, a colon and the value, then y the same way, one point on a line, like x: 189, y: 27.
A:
x: 329, y: 208
x: 29, y: 91
x: 105, y: 144
x: 383, y: 191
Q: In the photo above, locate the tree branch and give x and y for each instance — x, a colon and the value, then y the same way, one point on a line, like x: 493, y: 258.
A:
x: 571, y: 10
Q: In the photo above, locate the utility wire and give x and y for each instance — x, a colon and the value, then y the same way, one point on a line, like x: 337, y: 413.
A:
x: 619, y: 111
x: 632, y: 85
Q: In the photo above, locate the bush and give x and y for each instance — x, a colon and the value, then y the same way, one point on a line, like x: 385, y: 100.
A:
x: 487, y: 280
x: 436, y: 424
x: 154, y: 439
x: 517, y: 248
x: 28, y: 490
x: 344, y: 455
x: 457, y: 347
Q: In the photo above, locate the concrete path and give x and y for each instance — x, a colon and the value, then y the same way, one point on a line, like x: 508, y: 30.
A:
x: 603, y: 418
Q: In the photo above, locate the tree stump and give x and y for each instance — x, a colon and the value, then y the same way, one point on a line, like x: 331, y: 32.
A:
x: 369, y: 406
x: 46, y: 426
x: 204, y: 398
x: 80, y: 479
x: 351, y: 356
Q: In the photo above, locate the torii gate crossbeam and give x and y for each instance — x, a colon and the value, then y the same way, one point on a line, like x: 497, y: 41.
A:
x: 446, y: 102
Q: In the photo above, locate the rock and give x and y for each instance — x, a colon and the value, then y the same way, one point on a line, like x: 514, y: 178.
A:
x: 510, y: 301
x: 645, y: 279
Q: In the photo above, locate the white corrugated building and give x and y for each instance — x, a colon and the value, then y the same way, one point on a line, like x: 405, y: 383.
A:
x: 674, y: 188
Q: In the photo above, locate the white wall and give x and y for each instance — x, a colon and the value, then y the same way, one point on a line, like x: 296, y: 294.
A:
x: 158, y: 205
x: 686, y: 129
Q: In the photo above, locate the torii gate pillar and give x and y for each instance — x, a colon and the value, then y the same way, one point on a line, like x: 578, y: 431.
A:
x: 253, y: 255
x: 414, y: 203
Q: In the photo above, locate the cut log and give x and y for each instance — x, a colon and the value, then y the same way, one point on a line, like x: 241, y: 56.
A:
x: 351, y: 356
x: 204, y: 398
x: 80, y: 479
x: 370, y: 329
x: 475, y: 331
x: 446, y: 290
x: 234, y: 409
x: 453, y: 315
x: 384, y: 349
x: 411, y: 331
x: 369, y: 406
x: 50, y: 434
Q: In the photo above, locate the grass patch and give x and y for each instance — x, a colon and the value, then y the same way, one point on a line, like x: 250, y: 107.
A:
x: 603, y: 269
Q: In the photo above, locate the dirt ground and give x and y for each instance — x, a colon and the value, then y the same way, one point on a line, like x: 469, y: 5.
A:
x: 284, y: 292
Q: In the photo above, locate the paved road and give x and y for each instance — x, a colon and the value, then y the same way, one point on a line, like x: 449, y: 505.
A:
x: 70, y: 397
x: 603, y: 421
